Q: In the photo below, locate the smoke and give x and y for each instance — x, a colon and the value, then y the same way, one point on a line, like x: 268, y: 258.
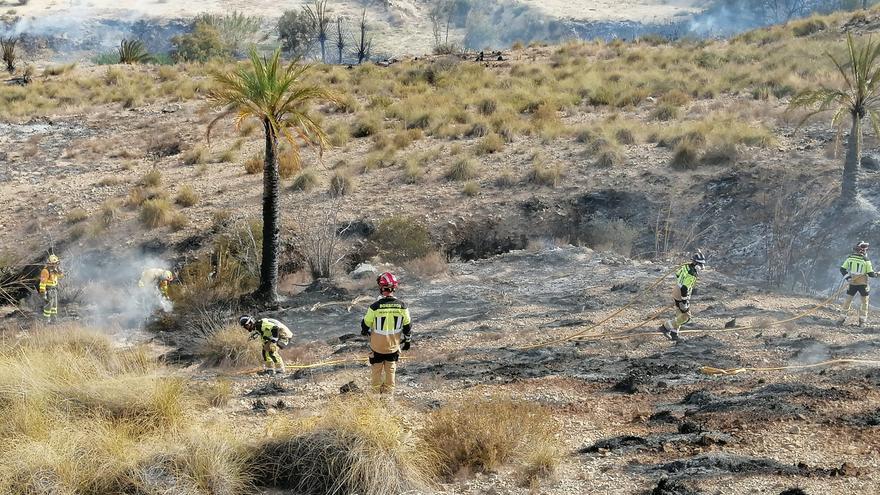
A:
x: 107, y: 287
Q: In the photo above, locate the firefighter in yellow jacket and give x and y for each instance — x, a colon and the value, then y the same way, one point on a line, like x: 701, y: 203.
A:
x: 856, y: 270
x: 686, y: 279
x: 388, y: 325
x: 159, y: 278
x: 49, y: 276
x: 275, y: 336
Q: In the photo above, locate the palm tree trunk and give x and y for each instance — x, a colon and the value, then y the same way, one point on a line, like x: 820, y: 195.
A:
x: 268, y: 290
x: 850, y: 190
x: 323, y: 54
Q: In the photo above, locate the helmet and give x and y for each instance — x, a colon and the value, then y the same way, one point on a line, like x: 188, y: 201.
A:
x: 247, y: 321
x: 387, y: 281
x: 698, y: 259
x: 53, y: 258
x: 168, y: 276
x: 861, y: 248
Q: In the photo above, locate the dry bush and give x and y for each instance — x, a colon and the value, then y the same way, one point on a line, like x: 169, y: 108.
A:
x: 76, y: 215
x: 487, y: 106
x: 341, y: 184
x: 808, y: 27
x: 254, y: 165
x: 343, y: 451
x: 153, y: 178
x: 491, y: 143
x: 156, y: 213
x: 228, y: 156
x: 218, y: 393
x: 111, y: 211
x: 720, y: 154
x: 401, y: 238
x: 229, y: 346
x: 484, y: 434
x: 187, y: 196
x: 545, y: 175
x: 111, y: 180
x: 471, y: 188
x: 624, y: 136
x: 179, y: 221
x: 289, y: 164
x: 136, y: 197
x: 366, y: 125
x: 196, y: 156
x: 609, y: 235
x: 665, y: 112
x: 428, y: 266
x: 162, y: 145
x: 609, y: 156
x: 685, y: 156
x: 463, y: 169
x: 413, y: 173
x: 506, y: 179
x: 305, y: 181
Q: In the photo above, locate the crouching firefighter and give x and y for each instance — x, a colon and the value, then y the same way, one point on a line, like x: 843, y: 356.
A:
x: 275, y: 337
x: 686, y: 278
x: 856, y: 270
x: 387, y: 322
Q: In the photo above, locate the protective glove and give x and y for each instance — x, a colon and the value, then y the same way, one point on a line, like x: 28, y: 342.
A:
x: 405, y: 346
x: 847, y: 277
x: 365, y: 332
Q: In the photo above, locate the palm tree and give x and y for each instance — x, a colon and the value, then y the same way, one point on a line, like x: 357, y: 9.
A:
x: 274, y: 94
x: 320, y: 17
x: 859, y: 97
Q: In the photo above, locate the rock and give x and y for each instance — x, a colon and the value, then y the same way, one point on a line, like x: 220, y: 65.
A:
x: 667, y: 487
x: 689, y: 427
x: 172, y: 108
x: 363, y: 271
x: 870, y: 162
x: 349, y: 388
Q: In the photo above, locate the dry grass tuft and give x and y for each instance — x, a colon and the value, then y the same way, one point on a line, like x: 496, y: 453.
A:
x: 341, y: 184
x: 187, y: 196
x: 463, y: 169
x: 343, y: 452
x: 545, y: 175
x: 153, y: 178
x: 229, y: 347
x: 491, y: 143
x: 471, y: 188
x: 307, y: 180
x: 196, y: 156
x: 428, y: 266
x: 76, y: 215
x: 482, y: 435
x: 156, y: 213
x: 289, y: 164
x: 254, y: 165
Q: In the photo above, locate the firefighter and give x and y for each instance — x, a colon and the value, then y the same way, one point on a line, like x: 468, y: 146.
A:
x: 49, y: 277
x: 856, y: 270
x: 686, y: 278
x: 275, y: 336
x: 388, y: 325
x: 158, y: 278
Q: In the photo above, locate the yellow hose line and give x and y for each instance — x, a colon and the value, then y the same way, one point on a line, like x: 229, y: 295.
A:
x: 607, y: 318
x: 314, y: 365
x: 708, y: 370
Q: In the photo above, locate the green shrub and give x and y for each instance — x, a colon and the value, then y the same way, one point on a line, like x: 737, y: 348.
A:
x: 201, y: 44
x: 401, y: 238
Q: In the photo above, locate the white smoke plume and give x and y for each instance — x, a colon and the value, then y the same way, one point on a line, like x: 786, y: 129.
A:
x: 105, y: 286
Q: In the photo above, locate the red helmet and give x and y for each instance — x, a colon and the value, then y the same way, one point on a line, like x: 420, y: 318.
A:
x: 387, y: 281
x: 861, y: 248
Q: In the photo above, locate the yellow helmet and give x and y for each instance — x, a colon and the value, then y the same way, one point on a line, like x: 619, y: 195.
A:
x: 53, y: 259
x: 168, y: 276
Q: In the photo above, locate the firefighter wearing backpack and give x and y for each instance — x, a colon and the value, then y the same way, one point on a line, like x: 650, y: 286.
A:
x: 856, y: 270
x: 48, y: 288
x: 275, y: 337
x: 686, y: 279
x: 388, y: 325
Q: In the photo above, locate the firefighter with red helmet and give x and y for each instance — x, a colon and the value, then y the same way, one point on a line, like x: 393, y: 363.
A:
x: 856, y: 270
x: 388, y: 325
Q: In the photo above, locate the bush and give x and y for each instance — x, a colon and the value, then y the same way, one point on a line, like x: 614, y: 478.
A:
x: 401, y: 238
x: 153, y: 178
x: 427, y: 266
x: 492, y: 143
x: 413, y: 172
x: 614, y: 235
x: 289, y: 164
x: 665, y: 112
x: 196, y: 156
x: 110, y: 212
x: 179, y: 222
x: 343, y: 452
x: 201, y: 44
x: 545, y: 175
x: 296, y: 30
x: 470, y: 188
x: 305, y: 181
x: 341, y: 184
x: 254, y: 165
x: 808, y: 27
x: 156, y: 213
x: 624, y: 136
x: 487, y: 106
x: 686, y: 155
x: 506, y: 179
x: 463, y: 169
x: 720, y: 154
x: 187, y: 196
x: 229, y: 347
x: 76, y: 215
x: 609, y: 157
x: 365, y: 126
x: 132, y: 52
x: 484, y: 434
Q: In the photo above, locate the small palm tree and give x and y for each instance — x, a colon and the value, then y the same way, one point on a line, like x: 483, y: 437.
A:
x: 9, y: 55
x: 274, y: 94
x: 859, y: 97
x: 133, y: 52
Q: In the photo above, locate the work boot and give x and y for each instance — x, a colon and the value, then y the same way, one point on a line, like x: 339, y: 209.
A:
x: 673, y: 336
x: 667, y: 333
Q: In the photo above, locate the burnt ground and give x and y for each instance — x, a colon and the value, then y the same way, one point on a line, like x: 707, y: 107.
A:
x: 637, y: 415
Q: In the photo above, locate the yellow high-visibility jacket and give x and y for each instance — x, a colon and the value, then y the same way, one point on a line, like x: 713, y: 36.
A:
x: 388, y: 323
x: 49, y: 278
